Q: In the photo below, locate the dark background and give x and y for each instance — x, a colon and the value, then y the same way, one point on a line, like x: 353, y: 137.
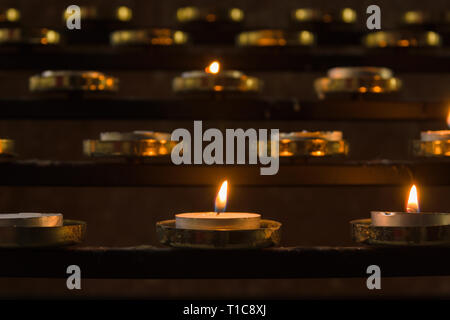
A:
x: 310, y: 215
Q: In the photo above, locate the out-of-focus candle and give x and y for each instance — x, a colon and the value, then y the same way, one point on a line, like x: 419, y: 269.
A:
x: 437, y: 135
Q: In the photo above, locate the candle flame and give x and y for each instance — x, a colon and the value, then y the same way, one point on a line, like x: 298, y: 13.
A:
x: 413, y: 202
x: 213, y: 68
x: 221, y: 198
x: 448, y: 118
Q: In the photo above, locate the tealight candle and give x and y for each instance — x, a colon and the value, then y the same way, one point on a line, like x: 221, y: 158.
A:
x: 27, y: 219
x: 212, y: 79
x: 436, y: 135
x: 218, y: 220
x: 359, y: 80
x: 304, y: 135
x: 412, y: 217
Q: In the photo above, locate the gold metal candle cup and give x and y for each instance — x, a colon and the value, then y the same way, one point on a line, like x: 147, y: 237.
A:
x: 310, y: 144
x: 39, y: 36
x: 270, y: 38
x: 7, y: 148
x: 70, y: 233
x: 202, y: 14
x: 93, y: 13
x: 363, y: 231
x: 138, y: 144
x: 436, y: 148
x: 228, y: 81
x: 313, y: 15
x: 402, y: 39
x: 267, y: 235
x: 153, y: 37
x: 433, y: 144
x: 88, y: 81
x: 360, y: 80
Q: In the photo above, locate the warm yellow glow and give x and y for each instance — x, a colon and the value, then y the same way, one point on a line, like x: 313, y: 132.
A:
x: 413, y: 202
x: 124, y: 13
x: 52, y: 36
x: 214, y: 67
x: 448, y: 118
x: 403, y: 43
x: 12, y: 14
x: 376, y: 89
x: 362, y: 89
x: 236, y: 14
x: 211, y: 17
x: 413, y: 17
x: 302, y: 14
x: 348, y: 15
x: 221, y: 198
x: 433, y: 38
x: 306, y: 37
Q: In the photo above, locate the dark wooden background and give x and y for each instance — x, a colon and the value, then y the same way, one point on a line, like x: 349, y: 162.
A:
x: 310, y: 215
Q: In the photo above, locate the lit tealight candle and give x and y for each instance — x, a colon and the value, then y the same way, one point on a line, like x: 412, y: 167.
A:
x: 26, y: 219
x: 437, y: 135
x: 218, y: 220
x: 213, y: 79
x: 412, y: 217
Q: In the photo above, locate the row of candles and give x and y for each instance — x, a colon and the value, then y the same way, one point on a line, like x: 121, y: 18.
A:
x: 256, y: 38
x: 308, y: 20
x: 192, y: 13
x: 219, y: 219
x: 218, y: 228
x: 342, y: 80
x: 371, y: 80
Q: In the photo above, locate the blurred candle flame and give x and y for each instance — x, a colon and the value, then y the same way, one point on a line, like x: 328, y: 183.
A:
x: 213, y: 68
x: 221, y: 198
x: 413, y: 202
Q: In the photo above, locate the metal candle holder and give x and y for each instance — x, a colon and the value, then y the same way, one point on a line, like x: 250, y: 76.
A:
x: 269, y: 234
x: 202, y: 14
x: 315, y: 15
x: 310, y: 144
x: 150, y: 37
x: 357, y: 80
x: 70, y: 233
x: 363, y: 231
x: 92, y: 13
x: 35, y: 36
x: 402, y: 39
x: 138, y: 144
x: 224, y: 81
x: 69, y: 80
x: 276, y: 37
x: 432, y: 145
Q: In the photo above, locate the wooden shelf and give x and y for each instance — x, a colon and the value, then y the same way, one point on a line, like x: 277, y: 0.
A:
x: 220, y: 108
x: 315, y: 172
x: 293, y: 262
x: 197, y: 57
